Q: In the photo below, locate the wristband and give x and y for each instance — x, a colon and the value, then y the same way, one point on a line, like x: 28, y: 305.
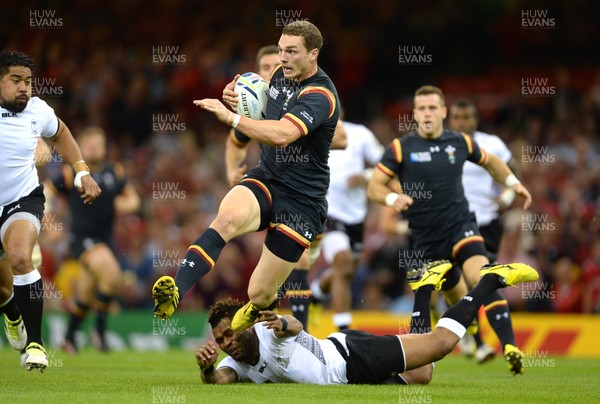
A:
x: 390, y: 199
x: 80, y: 166
x: 511, y: 180
x: 284, y: 323
x: 77, y: 180
x: 208, y: 370
x: 236, y: 120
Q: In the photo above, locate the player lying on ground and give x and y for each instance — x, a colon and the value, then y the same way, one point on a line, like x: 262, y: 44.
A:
x: 276, y: 349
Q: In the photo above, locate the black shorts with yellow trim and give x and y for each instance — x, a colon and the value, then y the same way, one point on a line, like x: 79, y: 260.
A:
x: 293, y: 221
x: 461, y: 243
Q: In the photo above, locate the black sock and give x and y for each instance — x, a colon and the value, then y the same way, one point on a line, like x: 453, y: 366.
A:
x: 101, y: 316
x: 465, y: 311
x: 297, y: 291
x: 199, y: 259
x: 498, y: 314
x: 11, y: 310
x: 477, y: 336
x: 420, y: 322
x: 101, y: 328
x: 77, y: 316
x: 30, y: 300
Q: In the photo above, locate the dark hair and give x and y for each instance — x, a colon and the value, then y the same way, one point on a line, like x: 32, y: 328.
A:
x: 266, y: 50
x: 225, y: 308
x: 465, y: 103
x: 426, y: 90
x: 308, y: 31
x: 13, y: 58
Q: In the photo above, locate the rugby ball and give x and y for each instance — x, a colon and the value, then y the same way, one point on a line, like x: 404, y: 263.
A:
x: 252, y: 96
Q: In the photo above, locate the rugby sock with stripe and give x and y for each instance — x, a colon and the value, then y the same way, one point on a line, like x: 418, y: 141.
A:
x: 458, y: 317
x: 199, y: 260
x: 498, y: 314
x: 297, y: 291
x: 420, y: 322
x: 29, y: 295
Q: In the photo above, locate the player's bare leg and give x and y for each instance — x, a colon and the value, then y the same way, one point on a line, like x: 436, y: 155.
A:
x: 270, y: 272
x: 498, y: 314
x: 14, y: 326
x: 297, y: 289
x: 19, y: 240
x: 422, y: 349
x: 239, y: 213
x: 84, y: 299
x: 343, y: 267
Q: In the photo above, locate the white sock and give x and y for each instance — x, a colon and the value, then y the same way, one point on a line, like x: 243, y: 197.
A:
x: 27, y: 279
x: 452, y: 325
x: 342, y: 319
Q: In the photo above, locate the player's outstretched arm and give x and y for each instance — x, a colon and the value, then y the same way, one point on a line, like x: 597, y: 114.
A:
x: 66, y: 146
x: 502, y: 173
x: 269, y: 132
x: 206, y: 357
x: 284, y: 326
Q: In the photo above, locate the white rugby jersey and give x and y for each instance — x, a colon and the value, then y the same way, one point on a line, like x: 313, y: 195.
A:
x: 480, y: 188
x: 19, y: 133
x: 298, y: 359
x: 346, y: 204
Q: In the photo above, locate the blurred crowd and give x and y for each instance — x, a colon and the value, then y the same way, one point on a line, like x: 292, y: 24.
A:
x: 134, y: 68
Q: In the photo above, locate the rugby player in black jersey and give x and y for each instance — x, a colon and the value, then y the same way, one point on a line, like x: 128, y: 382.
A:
x: 91, y: 234
x: 428, y: 163
x: 296, y: 288
x: 285, y: 192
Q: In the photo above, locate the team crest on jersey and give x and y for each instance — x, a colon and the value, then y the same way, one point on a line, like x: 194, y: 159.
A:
x: 420, y: 157
x: 289, y: 94
x: 35, y: 127
x: 450, y: 150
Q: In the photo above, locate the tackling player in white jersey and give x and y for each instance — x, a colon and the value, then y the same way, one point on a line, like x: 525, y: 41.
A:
x: 486, y: 198
x: 347, y: 200
x: 23, y: 120
x: 276, y: 349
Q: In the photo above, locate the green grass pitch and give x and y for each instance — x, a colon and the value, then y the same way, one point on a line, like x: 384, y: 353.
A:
x: 133, y: 377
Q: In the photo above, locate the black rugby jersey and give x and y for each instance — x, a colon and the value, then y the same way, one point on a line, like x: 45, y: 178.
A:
x: 95, y: 220
x: 430, y: 172
x: 312, y: 105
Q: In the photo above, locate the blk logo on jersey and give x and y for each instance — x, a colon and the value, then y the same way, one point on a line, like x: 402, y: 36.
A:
x: 8, y: 114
